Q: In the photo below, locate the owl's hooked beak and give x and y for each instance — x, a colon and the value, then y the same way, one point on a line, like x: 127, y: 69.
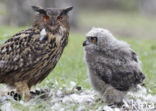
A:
x: 53, y: 25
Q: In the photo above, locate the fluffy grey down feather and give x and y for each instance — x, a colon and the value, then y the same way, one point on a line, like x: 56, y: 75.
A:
x: 114, y: 68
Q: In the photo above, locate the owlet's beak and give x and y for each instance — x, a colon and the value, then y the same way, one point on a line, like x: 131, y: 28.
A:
x: 85, y: 43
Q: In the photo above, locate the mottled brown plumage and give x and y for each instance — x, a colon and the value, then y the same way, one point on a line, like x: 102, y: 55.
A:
x: 29, y: 56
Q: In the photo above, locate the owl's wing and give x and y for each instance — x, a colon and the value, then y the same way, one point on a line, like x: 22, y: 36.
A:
x: 21, y: 52
x: 127, y: 53
x: 122, y: 81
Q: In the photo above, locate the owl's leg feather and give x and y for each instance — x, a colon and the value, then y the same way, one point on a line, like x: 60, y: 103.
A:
x: 23, y: 90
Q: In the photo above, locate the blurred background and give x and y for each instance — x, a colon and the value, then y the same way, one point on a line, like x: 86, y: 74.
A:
x: 131, y: 20
x: 125, y: 18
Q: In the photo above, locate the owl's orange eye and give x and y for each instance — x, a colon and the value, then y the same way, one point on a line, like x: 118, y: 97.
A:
x: 59, y: 18
x: 93, y: 41
x: 46, y: 18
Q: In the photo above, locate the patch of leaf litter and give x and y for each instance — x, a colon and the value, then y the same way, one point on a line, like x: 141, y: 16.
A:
x: 77, y: 98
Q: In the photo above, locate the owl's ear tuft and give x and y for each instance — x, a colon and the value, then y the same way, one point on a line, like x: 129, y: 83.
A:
x: 66, y: 10
x: 39, y: 9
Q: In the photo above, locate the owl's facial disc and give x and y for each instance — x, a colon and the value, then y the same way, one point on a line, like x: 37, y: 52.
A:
x: 57, y: 15
x: 52, y: 18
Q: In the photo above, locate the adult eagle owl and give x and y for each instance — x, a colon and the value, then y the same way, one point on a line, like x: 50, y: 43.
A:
x: 29, y: 56
x: 114, y: 68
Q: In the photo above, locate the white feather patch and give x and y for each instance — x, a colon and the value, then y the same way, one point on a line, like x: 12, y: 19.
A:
x: 43, y: 33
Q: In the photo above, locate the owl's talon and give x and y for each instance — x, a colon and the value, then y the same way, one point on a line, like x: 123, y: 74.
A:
x: 32, y: 93
x: 79, y: 88
x: 17, y: 97
x: 37, y: 92
x: 119, y: 104
x: 11, y: 93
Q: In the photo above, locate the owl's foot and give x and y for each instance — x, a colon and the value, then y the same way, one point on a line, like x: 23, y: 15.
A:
x: 23, y: 89
x: 18, y: 97
x: 15, y: 95
x: 41, y: 93
x: 37, y: 92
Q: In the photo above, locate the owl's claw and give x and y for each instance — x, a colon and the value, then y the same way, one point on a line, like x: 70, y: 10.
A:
x: 15, y: 95
x: 40, y: 93
x: 79, y: 88
x: 11, y: 93
x: 119, y: 104
x: 37, y: 92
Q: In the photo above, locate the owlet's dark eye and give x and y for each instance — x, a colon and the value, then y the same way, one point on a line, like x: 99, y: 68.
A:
x: 46, y: 18
x: 93, y: 39
x: 59, y: 18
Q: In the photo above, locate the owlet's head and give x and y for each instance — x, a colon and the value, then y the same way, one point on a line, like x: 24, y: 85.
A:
x: 98, y: 39
x: 51, y: 18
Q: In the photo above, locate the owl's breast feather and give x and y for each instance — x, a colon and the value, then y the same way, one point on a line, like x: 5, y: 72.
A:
x: 60, y: 37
